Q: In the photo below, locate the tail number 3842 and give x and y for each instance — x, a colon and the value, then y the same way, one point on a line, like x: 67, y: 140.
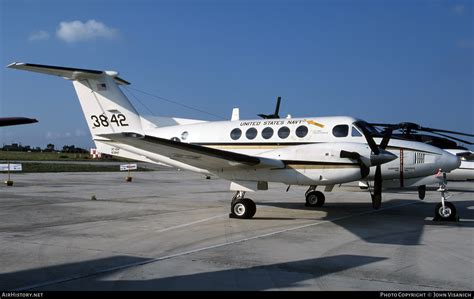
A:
x: 103, y: 121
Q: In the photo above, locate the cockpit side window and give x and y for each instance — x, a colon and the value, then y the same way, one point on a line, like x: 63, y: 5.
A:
x: 340, y: 130
x: 355, y: 132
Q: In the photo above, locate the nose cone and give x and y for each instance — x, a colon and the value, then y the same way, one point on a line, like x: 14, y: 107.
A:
x: 449, y: 161
x: 383, y: 157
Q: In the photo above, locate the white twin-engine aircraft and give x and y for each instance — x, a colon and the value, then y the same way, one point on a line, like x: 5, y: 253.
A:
x: 308, y: 151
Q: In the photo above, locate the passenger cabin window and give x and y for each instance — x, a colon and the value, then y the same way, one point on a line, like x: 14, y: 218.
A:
x: 235, y: 134
x: 251, y: 133
x: 301, y: 131
x: 267, y: 133
x: 355, y: 132
x: 184, y: 135
x: 340, y: 130
x: 283, y: 132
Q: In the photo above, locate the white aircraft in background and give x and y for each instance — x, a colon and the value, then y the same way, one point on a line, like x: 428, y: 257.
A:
x: 465, y: 172
x: 444, y: 140
x: 415, y: 132
x: 308, y: 151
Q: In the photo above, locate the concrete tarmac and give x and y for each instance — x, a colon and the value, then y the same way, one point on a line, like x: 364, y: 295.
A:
x: 170, y: 230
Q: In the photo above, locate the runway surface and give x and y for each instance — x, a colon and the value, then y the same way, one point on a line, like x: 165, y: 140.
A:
x: 170, y: 230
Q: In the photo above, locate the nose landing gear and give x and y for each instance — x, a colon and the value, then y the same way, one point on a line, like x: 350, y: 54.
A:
x: 445, y: 210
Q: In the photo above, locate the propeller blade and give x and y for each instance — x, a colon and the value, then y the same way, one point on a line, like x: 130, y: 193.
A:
x: 377, y: 196
x: 454, y: 138
x: 386, y: 138
x: 370, y: 140
x: 381, y: 125
x: 274, y: 115
x: 414, y: 126
x: 446, y: 131
x: 277, y: 108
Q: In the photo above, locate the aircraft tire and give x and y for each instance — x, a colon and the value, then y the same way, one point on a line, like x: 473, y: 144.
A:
x: 244, y: 208
x: 315, y: 199
x: 421, y: 192
x: 446, y: 214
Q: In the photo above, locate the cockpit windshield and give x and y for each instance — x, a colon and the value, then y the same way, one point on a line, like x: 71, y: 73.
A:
x: 364, y: 126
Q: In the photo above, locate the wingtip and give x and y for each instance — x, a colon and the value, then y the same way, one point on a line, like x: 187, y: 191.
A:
x: 13, y: 64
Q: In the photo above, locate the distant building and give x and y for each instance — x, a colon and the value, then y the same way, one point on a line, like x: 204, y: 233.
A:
x: 98, y: 155
x: 95, y: 153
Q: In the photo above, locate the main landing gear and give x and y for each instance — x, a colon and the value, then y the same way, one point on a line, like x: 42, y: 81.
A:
x: 314, y: 198
x: 421, y: 192
x: 445, y: 210
x: 241, y: 207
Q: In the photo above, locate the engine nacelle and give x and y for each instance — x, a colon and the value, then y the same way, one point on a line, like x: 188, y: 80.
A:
x: 321, y: 152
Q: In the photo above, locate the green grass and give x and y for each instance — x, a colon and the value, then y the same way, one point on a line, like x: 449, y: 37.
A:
x: 82, y: 167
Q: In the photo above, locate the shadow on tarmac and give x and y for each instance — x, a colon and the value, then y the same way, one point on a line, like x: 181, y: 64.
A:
x: 281, y: 275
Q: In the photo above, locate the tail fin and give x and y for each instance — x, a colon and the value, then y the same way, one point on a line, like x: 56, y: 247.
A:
x: 105, y: 107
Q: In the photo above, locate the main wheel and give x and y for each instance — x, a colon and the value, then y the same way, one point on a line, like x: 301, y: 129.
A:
x: 315, y: 199
x: 448, y: 213
x: 243, y: 208
x: 308, y: 192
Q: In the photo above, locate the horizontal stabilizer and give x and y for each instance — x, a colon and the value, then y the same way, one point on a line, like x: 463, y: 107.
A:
x: 66, y: 72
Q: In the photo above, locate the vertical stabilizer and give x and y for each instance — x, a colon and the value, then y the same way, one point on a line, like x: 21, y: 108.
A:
x: 105, y: 106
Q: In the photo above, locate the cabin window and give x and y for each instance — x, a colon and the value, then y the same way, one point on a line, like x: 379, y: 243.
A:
x: 184, y: 135
x: 340, y: 130
x: 251, y: 133
x: 235, y: 134
x: 283, y: 132
x: 301, y: 131
x: 267, y: 133
x: 355, y: 132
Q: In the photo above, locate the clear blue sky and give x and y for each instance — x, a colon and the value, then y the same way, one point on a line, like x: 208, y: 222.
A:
x: 382, y: 61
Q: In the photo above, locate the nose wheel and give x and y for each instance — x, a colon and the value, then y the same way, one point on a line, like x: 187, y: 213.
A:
x: 241, y: 207
x: 446, y: 212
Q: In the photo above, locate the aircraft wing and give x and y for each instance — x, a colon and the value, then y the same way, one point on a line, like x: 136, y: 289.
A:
x: 194, y: 155
x: 12, y: 121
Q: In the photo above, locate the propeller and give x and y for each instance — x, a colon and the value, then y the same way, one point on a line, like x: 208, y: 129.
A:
x: 379, y: 157
x: 274, y: 115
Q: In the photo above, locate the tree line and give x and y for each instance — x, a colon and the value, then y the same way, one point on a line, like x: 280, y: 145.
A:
x: 16, y: 147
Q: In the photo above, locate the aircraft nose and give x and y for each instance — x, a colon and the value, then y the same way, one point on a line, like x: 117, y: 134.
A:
x: 449, y: 161
x: 383, y: 157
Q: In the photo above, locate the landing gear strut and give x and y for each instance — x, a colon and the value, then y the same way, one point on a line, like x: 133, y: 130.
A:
x: 314, y: 198
x: 445, y: 210
x: 241, y: 207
